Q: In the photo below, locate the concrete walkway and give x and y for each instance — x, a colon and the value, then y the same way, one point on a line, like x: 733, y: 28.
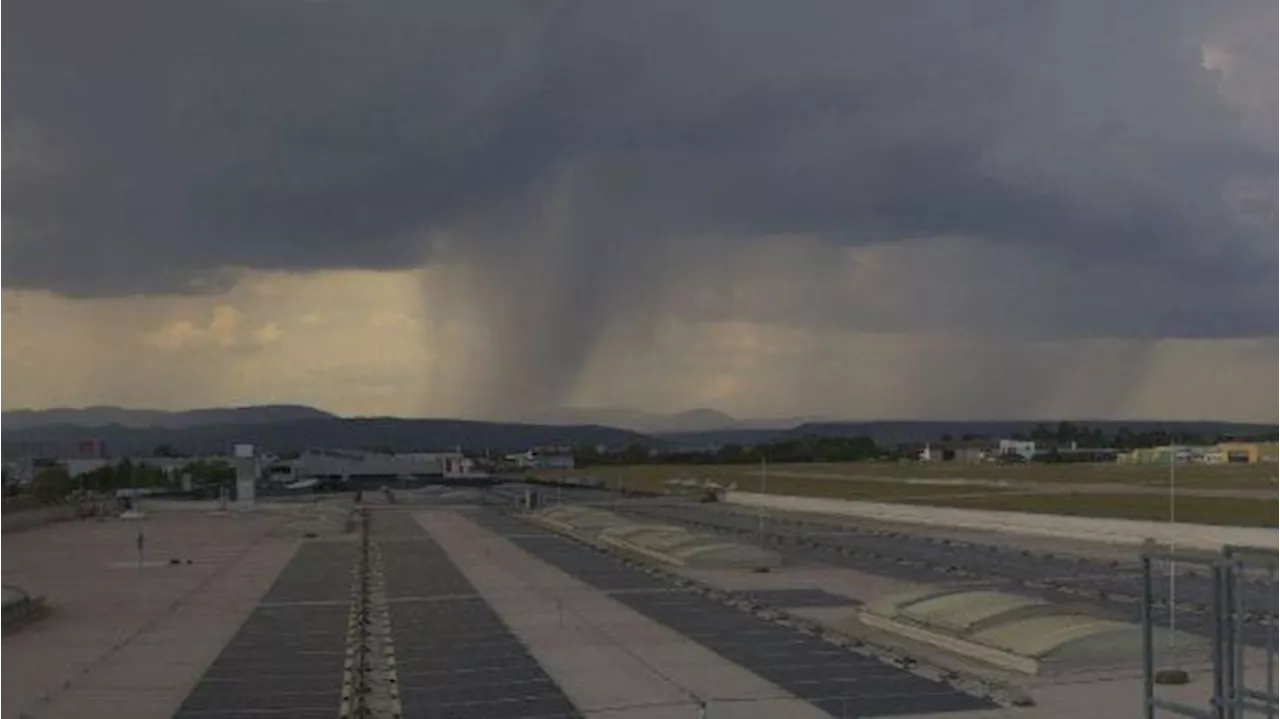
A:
x: 1113, y: 531
x: 124, y: 640
x: 608, y: 659
x: 1023, y: 486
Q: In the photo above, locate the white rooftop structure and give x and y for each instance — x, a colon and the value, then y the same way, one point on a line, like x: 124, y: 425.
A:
x: 358, y: 465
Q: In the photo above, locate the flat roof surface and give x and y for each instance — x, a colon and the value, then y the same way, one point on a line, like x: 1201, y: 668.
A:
x: 829, y: 677
x: 124, y: 640
x: 1110, y: 587
x: 491, y: 616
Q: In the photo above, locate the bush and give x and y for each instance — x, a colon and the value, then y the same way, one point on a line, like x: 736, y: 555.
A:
x: 51, y: 486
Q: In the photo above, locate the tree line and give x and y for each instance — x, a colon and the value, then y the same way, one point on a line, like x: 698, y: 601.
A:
x: 52, y: 485
x: 800, y: 449
x: 1125, y: 439
x: 813, y: 448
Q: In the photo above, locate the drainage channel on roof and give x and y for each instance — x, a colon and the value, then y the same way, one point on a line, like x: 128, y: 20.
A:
x: 835, y: 680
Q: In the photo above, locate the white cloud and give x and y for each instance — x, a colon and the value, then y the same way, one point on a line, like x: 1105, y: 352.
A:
x: 223, y: 330
x: 267, y: 334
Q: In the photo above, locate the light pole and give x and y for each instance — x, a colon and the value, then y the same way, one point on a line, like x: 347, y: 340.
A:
x: 1173, y: 454
x: 764, y: 488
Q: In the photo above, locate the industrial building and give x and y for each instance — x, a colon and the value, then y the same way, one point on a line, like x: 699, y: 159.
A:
x: 982, y: 451
x: 358, y: 467
x: 1221, y: 453
x: 1249, y: 452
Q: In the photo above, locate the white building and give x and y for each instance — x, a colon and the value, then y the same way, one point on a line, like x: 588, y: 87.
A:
x: 1023, y: 448
x: 359, y: 466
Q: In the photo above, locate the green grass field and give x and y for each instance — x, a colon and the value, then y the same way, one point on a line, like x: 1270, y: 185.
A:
x: 1227, y: 477
x: 811, y: 475
x: 1024, y: 488
x: 1246, y: 476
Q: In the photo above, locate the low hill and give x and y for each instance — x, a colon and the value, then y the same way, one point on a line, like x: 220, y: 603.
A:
x: 397, y: 435
x: 106, y: 416
x: 908, y: 431
x: 637, y: 420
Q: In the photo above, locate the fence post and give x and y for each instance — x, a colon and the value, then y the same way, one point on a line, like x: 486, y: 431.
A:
x: 1235, y: 572
x: 1220, y: 639
x: 1148, y: 648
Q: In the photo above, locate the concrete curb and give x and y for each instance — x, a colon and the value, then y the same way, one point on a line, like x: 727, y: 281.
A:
x: 1109, y: 531
x: 995, y: 657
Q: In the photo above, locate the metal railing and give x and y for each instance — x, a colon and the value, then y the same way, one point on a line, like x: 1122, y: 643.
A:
x: 1232, y: 697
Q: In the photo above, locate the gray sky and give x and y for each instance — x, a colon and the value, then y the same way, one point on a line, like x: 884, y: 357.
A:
x: 565, y: 182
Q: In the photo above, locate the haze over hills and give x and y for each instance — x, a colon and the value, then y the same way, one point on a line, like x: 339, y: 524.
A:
x: 891, y: 432
x: 105, y: 415
x: 374, y: 433
x: 695, y: 420
x: 288, y: 428
x: 628, y: 418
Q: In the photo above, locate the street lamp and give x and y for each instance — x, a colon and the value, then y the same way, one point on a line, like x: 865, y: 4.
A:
x: 764, y: 488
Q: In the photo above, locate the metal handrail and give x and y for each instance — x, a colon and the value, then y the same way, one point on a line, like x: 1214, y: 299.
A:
x: 1231, y: 697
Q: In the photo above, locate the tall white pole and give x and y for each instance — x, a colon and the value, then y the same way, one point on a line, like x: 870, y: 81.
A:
x: 764, y: 486
x: 1173, y: 454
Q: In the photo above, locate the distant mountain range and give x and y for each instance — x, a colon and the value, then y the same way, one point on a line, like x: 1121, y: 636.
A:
x: 914, y: 431
x: 290, y: 428
x: 378, y: 434
x: 696, y: 420
x: 104, y: 416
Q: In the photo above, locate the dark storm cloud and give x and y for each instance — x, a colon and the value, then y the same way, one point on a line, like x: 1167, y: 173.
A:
x: 293, y: 135
x: 157, y: 143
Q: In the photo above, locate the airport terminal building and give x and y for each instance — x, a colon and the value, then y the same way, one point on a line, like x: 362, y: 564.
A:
x: 364, y: 468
